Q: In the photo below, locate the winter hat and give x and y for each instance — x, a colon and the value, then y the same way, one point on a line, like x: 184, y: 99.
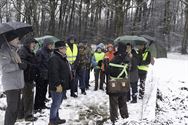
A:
x: 71, y: 37
x: 47, y: 42
x: 60, y: 44
x: 29, y: 40
x: 81, y: 45
x: 98, y: 47
x: 11, y: 35
x: 102, y: 46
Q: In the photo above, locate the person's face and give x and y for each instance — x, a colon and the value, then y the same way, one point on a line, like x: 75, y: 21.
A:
x: 128, y: 48
x: 99, y: 50
x: 110, y: 48
x: 15, y: 42
x: 63, y: 50
x: 141, y: 47
x: 50, y: 46
x: 32, y: 46
x: 72, y: 41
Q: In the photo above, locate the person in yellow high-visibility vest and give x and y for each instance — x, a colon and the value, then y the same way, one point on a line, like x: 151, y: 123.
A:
x: 144, y: 61
x: 72, y: 53
x: 97, y: 64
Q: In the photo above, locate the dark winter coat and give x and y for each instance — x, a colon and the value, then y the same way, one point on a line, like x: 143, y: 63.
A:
x: 119, y: 58
x: 43, y: 56
x: 59, y: 71
x: 29, y: 58
x: 134, y: 69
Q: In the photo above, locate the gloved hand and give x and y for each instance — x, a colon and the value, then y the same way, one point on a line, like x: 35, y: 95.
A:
x: 59, y: 88
x: 100, y: 63
x: 22, y: 66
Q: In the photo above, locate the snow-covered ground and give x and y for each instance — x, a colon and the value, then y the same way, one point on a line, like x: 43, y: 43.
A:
x: 169, y: 75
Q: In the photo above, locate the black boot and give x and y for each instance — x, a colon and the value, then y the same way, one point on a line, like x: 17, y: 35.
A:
x: 74, y: 95
x: 134, y: 99
x: 83, y: 91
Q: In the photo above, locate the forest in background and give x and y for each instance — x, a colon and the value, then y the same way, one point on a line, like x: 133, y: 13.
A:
x: 103, y: 20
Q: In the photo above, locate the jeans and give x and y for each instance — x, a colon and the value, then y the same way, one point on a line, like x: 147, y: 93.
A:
x: 81, y: 78
x: 87, y: 77
x: 57, y: 99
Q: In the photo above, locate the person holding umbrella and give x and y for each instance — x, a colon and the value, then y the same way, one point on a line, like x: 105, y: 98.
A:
x: 12, y: 67
x: 12, y: 75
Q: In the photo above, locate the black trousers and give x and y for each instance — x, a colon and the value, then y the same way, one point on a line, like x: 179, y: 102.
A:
x: 41, y: 90
x: 13, y: 100
x: 74, y: 85
x: 134, y: 90
x: 142, y: 76
x: 99, y: 74
x: 118, y: 101
x: 26, y: 103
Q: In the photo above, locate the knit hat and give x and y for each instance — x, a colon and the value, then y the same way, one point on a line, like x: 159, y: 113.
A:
x: 60, y: 44
x: 47, y: 42
x: 11, y: 35
x: 27, y: 41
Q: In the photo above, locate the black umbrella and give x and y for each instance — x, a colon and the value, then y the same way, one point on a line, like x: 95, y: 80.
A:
x: 21, y: 28
x: 4, y: 28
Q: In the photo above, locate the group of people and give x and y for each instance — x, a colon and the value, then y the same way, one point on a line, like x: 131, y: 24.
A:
x: 122, y: 63
x: 57, y: 67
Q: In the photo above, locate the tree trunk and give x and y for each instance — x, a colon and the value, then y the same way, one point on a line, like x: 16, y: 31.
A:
x: 53, y: 6
x: 184, y: 42
x: 80, y: 21
x: 18, y: 15
x: 167, y: 20
x: 119, y: 18
x: 71, y: 16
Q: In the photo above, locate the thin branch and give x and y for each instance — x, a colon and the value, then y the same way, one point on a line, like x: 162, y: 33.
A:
x: 186, y: 3
x: 17, y: 8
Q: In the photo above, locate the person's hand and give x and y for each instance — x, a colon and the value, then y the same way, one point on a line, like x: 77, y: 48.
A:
x: 59, y: 88
x: 130, y: 55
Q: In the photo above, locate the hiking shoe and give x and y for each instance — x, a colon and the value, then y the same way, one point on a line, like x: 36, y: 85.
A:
x: 60, y: 121
x: 52, y: 123
x: 74, y: 95
x: 31, y: 118
x: 134, y: 101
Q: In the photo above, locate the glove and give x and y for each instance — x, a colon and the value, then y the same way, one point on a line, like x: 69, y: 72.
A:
x: 59, y: 88
x: 100, y: 63
x: 22, y: 66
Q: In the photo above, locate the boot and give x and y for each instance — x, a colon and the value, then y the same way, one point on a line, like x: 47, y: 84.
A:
x: 83, y: 91
x: 74, y: 95
x: 134, y: 99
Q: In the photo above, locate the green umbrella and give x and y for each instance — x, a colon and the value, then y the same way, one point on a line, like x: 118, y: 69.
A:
x: 134, y: 40
x: 51, y: 38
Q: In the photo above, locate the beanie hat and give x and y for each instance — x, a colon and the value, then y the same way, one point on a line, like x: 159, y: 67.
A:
x: 47, y: 42
x: 27, y: 41
x: 60, y: 44
x: 11, y: 35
